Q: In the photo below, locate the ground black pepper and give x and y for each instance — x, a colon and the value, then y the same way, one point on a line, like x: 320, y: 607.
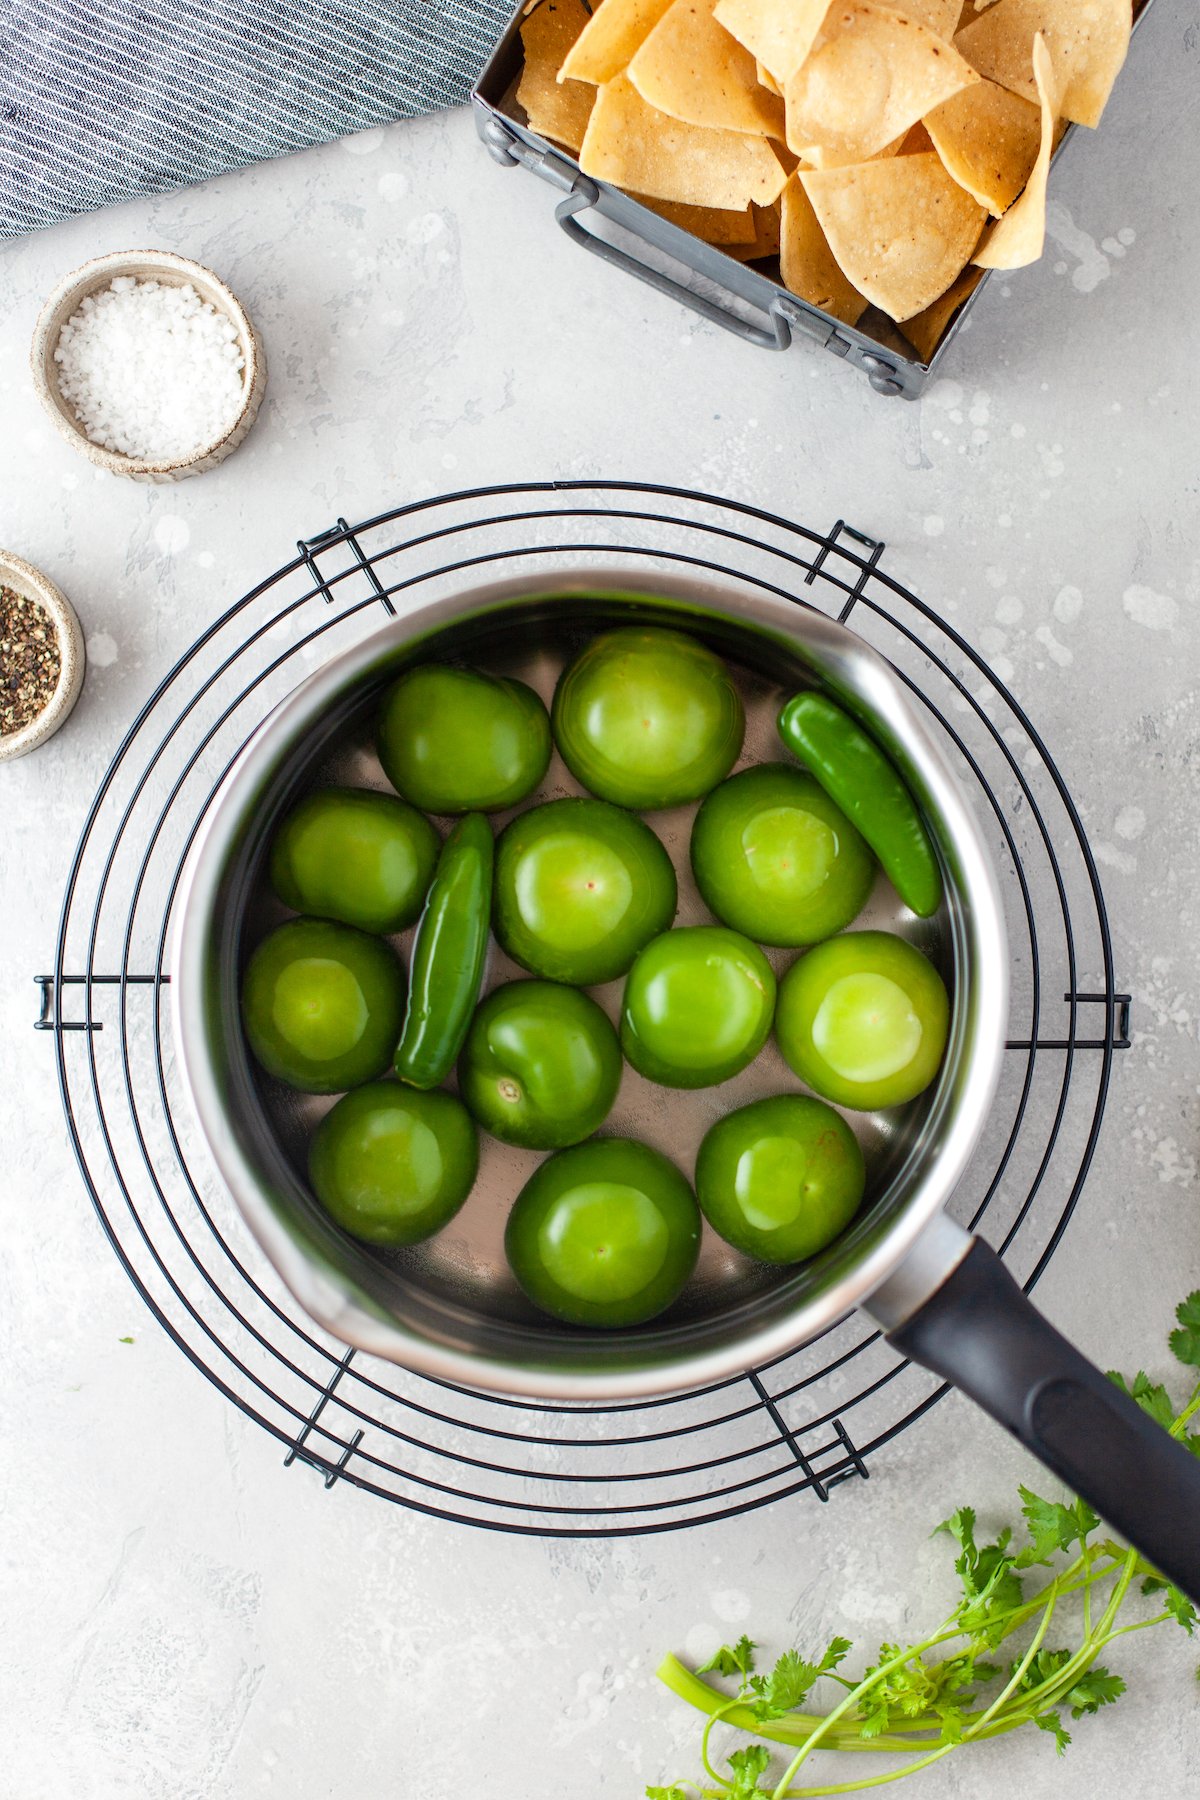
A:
x: 30, y: 661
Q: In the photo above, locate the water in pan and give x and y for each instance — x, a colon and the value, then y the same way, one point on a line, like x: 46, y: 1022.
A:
x: 465, y: 1263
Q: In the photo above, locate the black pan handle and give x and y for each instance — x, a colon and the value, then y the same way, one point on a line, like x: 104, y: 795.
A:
x: 980, y: 1332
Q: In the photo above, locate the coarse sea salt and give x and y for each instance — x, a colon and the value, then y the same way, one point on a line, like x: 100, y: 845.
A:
x: 152, y: 371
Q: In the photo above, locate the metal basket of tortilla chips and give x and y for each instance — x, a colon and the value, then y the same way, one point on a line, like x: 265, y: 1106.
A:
x: 843, y: 172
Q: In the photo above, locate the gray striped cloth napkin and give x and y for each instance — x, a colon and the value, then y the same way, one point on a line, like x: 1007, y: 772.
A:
x: 104, y: 99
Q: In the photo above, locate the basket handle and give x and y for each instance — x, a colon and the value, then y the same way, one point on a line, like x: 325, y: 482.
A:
x: 584, y: 195
x: 978, y: 1330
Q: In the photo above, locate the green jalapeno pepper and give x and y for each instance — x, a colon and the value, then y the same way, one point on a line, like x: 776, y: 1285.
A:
x: 858, y: 776
x: 448, y: 956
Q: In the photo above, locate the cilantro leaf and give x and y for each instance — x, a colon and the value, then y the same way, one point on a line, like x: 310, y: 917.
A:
x: 966, y: 1671
x: 674, y: 1792
x: 961, y: 1526
x: 875, y: 1711
x: 1092, y: 1691
x: 789, y: 1683
x: 1176, y: 1603
x: 1181, y: 1609
x: 874, y: 1718
x: 990, y: 1586
x: 1151, y: 1396
x: 986, y: 1617
x: 747, y: 1766
x: 1052, y: 1527
x: 1043, y: 1668
x: 951, y: 1721
x: 731, y: 1659
x: 920, y: 1690
x: 1050, y: 1721
x: 1185, y: 1343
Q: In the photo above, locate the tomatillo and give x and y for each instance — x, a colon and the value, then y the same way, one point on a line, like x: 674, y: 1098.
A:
x: 580, y: 887
x: 355, y: 855
x: 392, y: 1164
x: 322, y: 1005
x: 780, y: 1178
x: 648, y: 718
x: 604, y: 1234
x: 455, y: 740
x: 698, y: 1005
x: 863, y: 1019
x: 541, y: 1065
x: 775, y: 857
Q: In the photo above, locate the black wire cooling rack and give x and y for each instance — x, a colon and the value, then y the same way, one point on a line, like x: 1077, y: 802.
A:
x: 804, y: 1423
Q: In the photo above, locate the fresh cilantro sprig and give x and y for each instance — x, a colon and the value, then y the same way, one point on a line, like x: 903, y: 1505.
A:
x: 924, y: 1700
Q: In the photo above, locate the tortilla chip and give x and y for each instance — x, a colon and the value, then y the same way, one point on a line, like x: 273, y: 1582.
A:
x: 808, y: 265
x: 611, y: 38
x: 766, y: 79
x: 766, y: 236
x: 714, y: 224
x: 1018, y: 237
x: 917, y: 141
x: 989, y: 140
x: 1087, y: 41
x: 925, y: 330
x: 690, y: 68
x: 938, y: 16
x: 871, y: 75
x: 915, y: 138
x: 780, y: 33
x: 636, y: 147
x: 901, y: 229
x: 555, y: 109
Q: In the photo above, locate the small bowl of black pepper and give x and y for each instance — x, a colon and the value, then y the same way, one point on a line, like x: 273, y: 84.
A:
x: 41, y: 657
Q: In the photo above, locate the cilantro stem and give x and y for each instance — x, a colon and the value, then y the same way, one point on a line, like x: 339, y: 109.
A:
x: 1018, y: 1674
x: 1138, y: 1625
x: 716, y: 1719
x: 864, y: 1687
x: 783, y: 1792
x: 1188, y: 1414
x: 1051, y: 1693
x: 792, y: 1729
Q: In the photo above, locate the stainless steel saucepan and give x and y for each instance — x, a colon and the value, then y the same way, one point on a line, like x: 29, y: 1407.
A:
x: 450, y: 1308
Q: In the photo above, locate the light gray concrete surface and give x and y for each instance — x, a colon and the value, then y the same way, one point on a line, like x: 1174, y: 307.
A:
x: 186, y: 1618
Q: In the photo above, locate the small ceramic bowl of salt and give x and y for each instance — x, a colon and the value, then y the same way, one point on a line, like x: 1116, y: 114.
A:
x: 148, y: 364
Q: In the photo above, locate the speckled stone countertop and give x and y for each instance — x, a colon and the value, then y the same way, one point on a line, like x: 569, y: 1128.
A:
x: 189, y: 1620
